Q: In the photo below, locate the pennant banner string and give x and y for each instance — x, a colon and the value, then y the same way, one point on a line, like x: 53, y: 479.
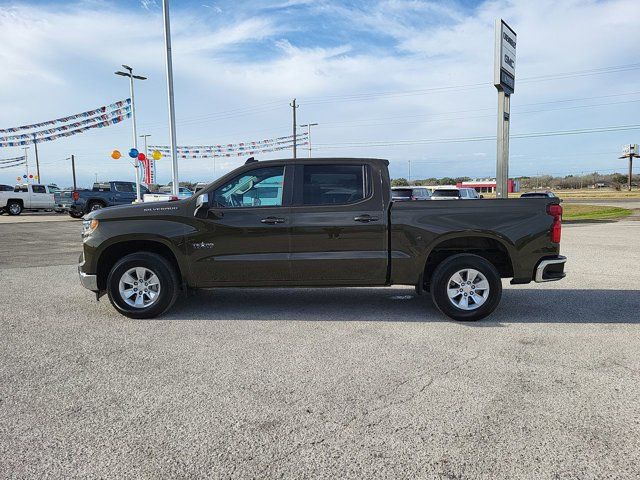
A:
x: 101, y: 124
x: 11, y: 160
x: 288, y: 138
x: 240, y: 154
x: 115, y: 113
x: 88, y: 113
x: 19, y: 164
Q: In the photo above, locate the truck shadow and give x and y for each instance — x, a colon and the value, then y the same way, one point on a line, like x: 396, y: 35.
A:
x: 519, y: 305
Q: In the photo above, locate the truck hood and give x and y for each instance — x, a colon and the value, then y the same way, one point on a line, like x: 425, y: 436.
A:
x: 137, y: 210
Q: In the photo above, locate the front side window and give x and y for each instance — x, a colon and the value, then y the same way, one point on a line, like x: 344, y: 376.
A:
x: 124, y: 187
x: 39, y: 189
x: 21, y: 188
x: 333, y: 184
x: 262, y: 187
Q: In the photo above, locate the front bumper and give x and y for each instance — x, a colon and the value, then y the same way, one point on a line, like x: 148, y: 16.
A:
x: 88, y: 281
x: 550, y: 269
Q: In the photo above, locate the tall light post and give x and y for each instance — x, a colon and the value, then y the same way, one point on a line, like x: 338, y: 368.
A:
x: 308, y: 126
x: 172, y: 110
x: 129, y: 73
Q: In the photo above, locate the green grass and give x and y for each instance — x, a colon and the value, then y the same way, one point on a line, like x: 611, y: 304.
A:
x: 584, y: 213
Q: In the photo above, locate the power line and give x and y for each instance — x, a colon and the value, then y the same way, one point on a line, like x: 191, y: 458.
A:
x: 616, y: 128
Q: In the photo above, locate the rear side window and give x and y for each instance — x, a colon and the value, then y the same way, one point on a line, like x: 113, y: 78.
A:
x: 402, y: 192
x: 6, y: 188
x: 333, y: 184
x: 39, y: 189
x: 446, y: 193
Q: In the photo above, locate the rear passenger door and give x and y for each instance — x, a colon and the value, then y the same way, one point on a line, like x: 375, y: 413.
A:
x: 123, y: 193
x: 339, y: 225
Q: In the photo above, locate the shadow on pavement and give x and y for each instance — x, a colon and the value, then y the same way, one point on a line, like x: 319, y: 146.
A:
x: 520, y: 305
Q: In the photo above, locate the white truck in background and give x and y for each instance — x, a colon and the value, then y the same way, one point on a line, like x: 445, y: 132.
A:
x: 26, y: 197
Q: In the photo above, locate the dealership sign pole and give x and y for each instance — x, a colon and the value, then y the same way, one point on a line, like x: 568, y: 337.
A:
x: 504, y: 80
x: 630, y: 151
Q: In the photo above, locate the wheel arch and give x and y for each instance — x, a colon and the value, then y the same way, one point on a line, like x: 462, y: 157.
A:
x: 117, y: 250
x: 493, y: 249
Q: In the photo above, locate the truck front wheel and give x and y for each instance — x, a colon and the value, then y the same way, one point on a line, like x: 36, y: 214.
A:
x: 142, y: 285
x: 14, y: 208
x: 466, y: 287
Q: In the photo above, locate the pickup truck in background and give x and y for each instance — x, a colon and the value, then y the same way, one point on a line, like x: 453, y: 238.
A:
x: 26, y: 197
x: 319, y: 223
x: 103, y: 195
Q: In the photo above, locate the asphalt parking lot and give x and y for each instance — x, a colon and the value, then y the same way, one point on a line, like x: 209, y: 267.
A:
x: 329, y: 383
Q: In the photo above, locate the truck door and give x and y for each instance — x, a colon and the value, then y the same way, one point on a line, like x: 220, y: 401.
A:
x: 123, y: 193
x: 339, y: 231
x: 245, y: 237
x: 39, y: 198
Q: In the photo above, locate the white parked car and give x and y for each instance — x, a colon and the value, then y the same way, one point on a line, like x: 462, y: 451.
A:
x: 26, y: 197
x: 455, y: 194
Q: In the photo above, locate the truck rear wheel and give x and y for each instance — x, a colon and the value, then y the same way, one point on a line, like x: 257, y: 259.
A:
x: 76, y: 214
x: 14, y: 207
x: 95, y: 206
x: 142, y: 285
x: 466, y: 287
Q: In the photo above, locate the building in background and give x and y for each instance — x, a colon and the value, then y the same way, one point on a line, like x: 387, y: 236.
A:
x: 489, y: 186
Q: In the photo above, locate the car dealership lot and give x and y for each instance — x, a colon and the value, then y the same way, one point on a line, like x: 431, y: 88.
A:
x: 320, y: 383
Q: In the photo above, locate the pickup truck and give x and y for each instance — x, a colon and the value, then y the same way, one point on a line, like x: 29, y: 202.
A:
x: 318, y: 223
x: 26, y: 197
x: 103, y: 195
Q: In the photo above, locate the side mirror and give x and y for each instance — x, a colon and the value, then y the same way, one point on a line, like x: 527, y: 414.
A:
x: 202, y: 206
x: 481, y: 196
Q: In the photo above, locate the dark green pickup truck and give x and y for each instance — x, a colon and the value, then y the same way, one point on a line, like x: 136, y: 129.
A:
x: 319, y: 223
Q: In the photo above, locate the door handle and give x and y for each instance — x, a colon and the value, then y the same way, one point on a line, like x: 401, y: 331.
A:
x: 365, y: 218
x: 272, y: 220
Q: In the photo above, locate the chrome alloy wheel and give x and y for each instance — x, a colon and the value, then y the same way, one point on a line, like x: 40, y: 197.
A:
x: 139, y: 287
x: 468, y: 289
x: 15, y: 208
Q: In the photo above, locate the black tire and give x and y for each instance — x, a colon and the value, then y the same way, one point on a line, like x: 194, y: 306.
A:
x: 14, y: 208
x: 76, y: 214
x: 444, y: 273
x: 168, y: 279
x: 95, y: 206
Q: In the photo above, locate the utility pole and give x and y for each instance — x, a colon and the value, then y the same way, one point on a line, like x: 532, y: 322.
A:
x: 73, y: 171
x: 35, y: 146
x: 129, y: 73
x: 295, y: 135
x: 172, y: 110
x: 409, y: 179
x: 26, y: 163
x: 309, y: 125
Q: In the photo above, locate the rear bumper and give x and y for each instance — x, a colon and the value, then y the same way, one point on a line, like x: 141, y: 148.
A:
x: 550, y: 269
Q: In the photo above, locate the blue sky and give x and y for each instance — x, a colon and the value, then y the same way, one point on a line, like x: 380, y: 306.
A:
x: 406, y: 80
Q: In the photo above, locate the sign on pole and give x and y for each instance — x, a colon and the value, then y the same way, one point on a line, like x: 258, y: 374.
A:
x: 504, y: 79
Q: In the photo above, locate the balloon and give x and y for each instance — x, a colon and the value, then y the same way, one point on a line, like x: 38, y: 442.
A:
x: 142, y: 157
x: 156, y: 155
x: 37, y: 177
x: 133, y: 153
x: 116, y: 154
x: 24, y: 176
x: 30, y: 176
x: 19, y: 179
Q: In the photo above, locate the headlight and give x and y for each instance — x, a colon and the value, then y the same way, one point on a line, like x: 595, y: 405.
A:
x: 89, y: 226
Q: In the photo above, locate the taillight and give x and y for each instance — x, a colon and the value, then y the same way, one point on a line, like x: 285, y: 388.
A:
x: 555, y: 211
x: 173, y: 198
x: 75, y: 196
x: 413, y: 198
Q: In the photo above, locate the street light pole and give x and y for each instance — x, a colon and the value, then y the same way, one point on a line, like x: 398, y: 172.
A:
x: 309, y: 125
x: 129, y: 73
x: 172, y: 111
